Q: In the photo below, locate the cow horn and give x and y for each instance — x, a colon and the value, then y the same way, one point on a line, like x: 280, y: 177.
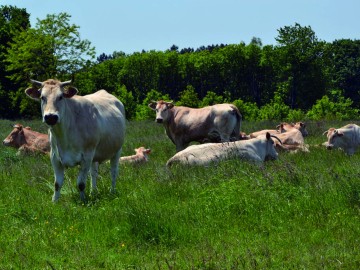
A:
x: 325, y: 132
x: 66, y: 83
x: 273, y: 136
x: 36, y: 82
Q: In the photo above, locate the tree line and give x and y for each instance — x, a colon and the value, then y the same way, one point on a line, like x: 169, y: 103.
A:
x: 301, y: 76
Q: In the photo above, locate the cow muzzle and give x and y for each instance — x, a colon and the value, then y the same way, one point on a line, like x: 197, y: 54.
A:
x: 51, y: 119
x: 159, y: 120
x: 329, y: 146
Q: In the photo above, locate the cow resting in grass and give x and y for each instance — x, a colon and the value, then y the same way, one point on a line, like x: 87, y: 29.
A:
x: 84, y: 130
x: 257, y: 150
x: 292, y: 140
x: 27, y: 140
x: 284, y: 127
x: 217, y: 123
x: 346, y: 138
x: 141, y: 156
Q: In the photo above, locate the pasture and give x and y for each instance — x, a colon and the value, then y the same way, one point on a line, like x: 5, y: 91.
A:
x: 301, y: 211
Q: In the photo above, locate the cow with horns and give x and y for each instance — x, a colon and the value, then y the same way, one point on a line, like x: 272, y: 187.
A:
x: 83, y: 130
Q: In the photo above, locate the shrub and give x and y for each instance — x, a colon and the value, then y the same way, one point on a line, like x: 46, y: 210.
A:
x: 210, y: 99
x: 143, y: 112
x: 188, y: 98
x: 127, y: 99
x: 333, y: 106
x: 248, y: 110
x: 295, y: 115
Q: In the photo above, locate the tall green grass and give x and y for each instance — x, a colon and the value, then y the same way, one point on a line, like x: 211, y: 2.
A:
x: 301, y: 211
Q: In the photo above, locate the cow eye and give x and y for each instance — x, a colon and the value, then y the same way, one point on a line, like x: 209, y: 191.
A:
x: 43, y: 99
x: 61, y: 97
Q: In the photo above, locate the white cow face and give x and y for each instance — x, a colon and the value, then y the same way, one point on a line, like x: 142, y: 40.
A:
x: 52, y: 96
x: 162, y: 110
x: 336, y: 139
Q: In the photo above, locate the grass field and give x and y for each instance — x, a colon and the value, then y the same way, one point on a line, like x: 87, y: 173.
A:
x: 299, y: 212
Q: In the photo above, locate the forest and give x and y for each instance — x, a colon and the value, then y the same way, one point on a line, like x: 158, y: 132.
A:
x: 300, y: 77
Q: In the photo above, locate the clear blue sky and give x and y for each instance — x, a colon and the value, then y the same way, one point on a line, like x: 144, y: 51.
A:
x: 133, y: 25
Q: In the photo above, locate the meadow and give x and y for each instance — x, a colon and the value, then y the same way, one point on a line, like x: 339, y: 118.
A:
x: 301, y: 211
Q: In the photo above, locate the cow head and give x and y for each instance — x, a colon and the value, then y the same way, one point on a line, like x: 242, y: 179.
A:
x: 142, y: 151
x: 302, y: 127
x: 16, y: 138
x: 52, y: 94
x: 162, y: 110
x: 284, y: 127
x: 270, y: 146
x: 335, y: 139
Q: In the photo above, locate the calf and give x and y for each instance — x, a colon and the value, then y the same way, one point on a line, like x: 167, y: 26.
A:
x: 27, y: 140
x: 258, y: 150
x: 141, y: 156
x: 346, y: 138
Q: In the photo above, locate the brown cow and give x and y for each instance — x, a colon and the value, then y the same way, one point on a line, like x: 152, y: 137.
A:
x: 141, y: 156
x: 292, y: 140
x: 284, y: 127
x: 27, y: 140
x: 217, y: 123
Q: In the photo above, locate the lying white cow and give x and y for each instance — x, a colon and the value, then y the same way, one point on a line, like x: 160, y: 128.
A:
x: 346, y: 138
x: 84, y: 130
x: 258, y: 150
x: 217, y: 123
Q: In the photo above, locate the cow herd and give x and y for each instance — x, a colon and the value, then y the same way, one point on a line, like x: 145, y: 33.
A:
x: 88, y: 130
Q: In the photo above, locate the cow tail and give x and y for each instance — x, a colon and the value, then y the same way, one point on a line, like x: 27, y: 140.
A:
x: 236, y: 132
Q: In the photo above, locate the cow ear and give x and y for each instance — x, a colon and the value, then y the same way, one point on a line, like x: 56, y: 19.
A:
x: 69, y: 92
x: 152, y: 105
x: 170, y: 105
x: 340, y: 134
x: 33, y: 93
x: 268, y: 136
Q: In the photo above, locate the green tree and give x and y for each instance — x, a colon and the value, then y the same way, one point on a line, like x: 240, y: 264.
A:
x: 53, y: 49
x: 188, y: 98
x: 344, y: 66
x: 13, y: 21
x: 301, y: 57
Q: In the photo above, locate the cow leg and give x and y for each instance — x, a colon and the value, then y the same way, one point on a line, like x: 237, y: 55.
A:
x: 114, y: 169
x: 59, y: 177
x: 94, y: 173
x: 84, y: 170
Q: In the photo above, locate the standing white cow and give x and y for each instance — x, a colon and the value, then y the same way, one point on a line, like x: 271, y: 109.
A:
x: 84, y: 130
x: 217, y: 123
x: 258, y: 150
x: 347, y: 138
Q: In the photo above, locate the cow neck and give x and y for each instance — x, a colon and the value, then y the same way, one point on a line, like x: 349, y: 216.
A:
x: 170, y: 124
